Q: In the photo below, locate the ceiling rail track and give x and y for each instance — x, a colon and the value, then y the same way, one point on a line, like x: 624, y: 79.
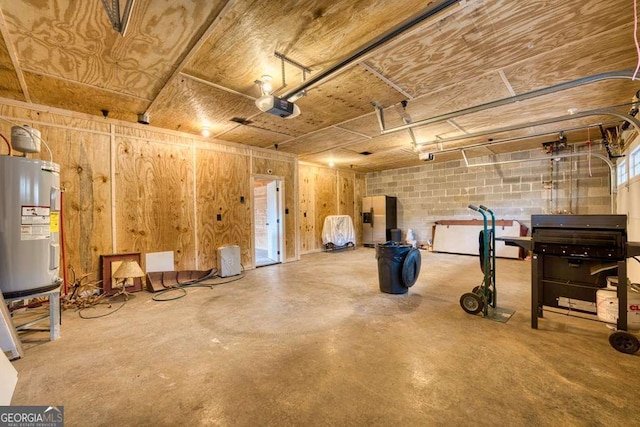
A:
x: 368, y: 48
x: 510, y: 139
x: 611, y: 111
x: 612, y: 75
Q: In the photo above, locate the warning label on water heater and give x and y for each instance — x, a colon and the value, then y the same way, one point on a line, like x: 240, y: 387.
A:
x: 35, y: 223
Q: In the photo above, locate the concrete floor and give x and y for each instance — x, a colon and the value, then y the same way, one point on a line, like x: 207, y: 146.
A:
x: 316, y: 343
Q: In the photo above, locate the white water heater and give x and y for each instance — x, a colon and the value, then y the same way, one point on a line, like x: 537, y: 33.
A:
x: 29, y: 226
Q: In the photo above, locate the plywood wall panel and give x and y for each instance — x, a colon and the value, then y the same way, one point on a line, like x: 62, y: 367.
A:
x: 326, y: 201
x: 221, y: 180
x: 155, y: 199
x: 287, y: 170
x: 360, y: 191
x: 86, y: 178
x: 346, y: 182
x: 306, y: 210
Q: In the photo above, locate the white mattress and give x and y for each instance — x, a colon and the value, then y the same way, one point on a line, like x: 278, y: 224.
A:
x: 463, y: 239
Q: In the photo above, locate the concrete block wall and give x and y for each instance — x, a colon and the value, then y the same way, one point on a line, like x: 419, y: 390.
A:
x: 516, y: 190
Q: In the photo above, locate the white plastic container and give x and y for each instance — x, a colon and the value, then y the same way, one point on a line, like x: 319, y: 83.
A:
x: 229, y: 263
x: 607, y: 305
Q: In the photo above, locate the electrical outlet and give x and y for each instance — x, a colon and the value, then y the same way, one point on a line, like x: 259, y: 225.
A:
x: 219, y: 217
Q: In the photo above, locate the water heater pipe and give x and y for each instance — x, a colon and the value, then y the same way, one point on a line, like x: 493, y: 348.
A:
x: 7, y: 141
x: 63, y: 251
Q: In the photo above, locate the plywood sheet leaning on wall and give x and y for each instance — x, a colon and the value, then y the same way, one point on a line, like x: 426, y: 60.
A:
x: 306, y: 210
x: 154, y: 199
x: 221, y: 180
x: 287, y: 170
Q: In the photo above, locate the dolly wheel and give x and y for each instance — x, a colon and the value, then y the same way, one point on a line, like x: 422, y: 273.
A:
x: 478, y: 291
x: 624, y: 342
x: 471, y: 303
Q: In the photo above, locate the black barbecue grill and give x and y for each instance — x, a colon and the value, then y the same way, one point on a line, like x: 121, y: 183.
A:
x: 572, y: 255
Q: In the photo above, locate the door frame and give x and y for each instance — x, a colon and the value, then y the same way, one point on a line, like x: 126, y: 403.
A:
x: 281, y: 210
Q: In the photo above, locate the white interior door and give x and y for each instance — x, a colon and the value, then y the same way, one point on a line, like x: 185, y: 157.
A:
x: 273, y: 249
x: 268, y: 221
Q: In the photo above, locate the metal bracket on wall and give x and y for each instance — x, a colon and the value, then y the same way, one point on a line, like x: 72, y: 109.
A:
x: 113, y: 12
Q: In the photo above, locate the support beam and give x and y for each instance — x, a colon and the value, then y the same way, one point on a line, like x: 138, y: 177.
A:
x: 386, y: 80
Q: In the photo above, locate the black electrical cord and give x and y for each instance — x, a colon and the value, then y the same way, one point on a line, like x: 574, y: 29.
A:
x: 156, y: 296
x: 210, y: 283
x: 101, y: 315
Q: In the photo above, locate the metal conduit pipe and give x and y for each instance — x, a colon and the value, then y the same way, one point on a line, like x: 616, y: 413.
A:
x: 612, y: 169
x: 624, y: 74
x: 369, y: 47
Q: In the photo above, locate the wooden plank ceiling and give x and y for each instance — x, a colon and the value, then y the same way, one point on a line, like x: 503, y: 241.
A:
x: 191, y: 64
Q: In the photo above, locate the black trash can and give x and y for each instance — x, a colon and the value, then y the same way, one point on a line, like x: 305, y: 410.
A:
x: 398, y: 267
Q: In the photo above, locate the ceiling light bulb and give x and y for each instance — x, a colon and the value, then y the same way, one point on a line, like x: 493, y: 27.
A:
x: 205, y: 131
x: 331, y: 164
x: 266, y: 84
x: 572, y: 110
